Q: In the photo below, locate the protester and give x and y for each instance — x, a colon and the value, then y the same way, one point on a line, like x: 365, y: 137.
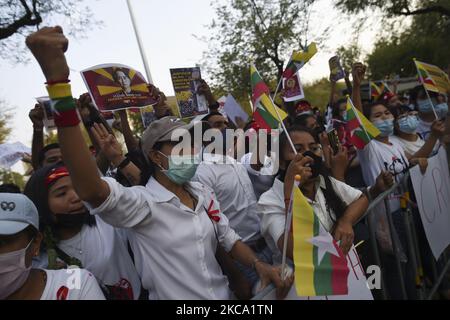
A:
x: 161, y: 216
x: 20, y: 241
x: 337, y: 205
x: 405, y: 133
x: 429, y: 107
x: 73, y: 237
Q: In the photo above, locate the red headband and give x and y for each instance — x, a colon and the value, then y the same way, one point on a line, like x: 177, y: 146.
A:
x: 56, y: 174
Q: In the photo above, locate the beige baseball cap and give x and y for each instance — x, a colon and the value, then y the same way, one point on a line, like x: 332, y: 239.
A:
x: 161, y: 130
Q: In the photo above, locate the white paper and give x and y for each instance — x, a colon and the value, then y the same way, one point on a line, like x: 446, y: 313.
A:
x: 234, y: 110
x: 48, y: 121
x: 11, y: 153
x: 432, y: 192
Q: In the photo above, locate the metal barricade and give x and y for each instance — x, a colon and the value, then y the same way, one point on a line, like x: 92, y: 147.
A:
x: 411, y: 246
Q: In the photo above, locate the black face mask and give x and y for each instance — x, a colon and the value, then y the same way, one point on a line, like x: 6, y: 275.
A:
x: 72, y: 220
x: 316, y: 166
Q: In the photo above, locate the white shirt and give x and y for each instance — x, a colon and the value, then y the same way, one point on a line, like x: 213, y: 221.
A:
x: 424, y: 128
x: 378, y: 156
x: 272, y: 209
x: 262, y: 180
x: 409, y: 147
x: 234, y: 190
x: 104, y: 252
x: 71, y: 284
x: 174, y: 247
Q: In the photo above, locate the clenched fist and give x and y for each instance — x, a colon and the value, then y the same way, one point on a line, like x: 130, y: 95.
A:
x: 48, y: 46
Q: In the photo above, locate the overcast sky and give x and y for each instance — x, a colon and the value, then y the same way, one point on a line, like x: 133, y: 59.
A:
x: 167, y: 29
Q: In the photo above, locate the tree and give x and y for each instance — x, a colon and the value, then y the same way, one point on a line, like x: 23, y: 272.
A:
x: 427, y: 39
x: 19, y: 17
x: 397, y: 8
x: 5, y: 117
x: 318, y: 92
x: 260, y: 31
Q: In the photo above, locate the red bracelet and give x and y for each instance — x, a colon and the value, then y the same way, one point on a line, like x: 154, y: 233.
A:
x: 57, y: 81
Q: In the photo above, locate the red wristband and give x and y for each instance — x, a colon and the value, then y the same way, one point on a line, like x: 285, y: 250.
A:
x: 57, y: 81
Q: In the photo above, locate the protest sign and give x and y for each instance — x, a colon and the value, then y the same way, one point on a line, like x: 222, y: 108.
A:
x: 293, y: 90
x: 11, y: 153
x: 234, y: 111
x: 432, y: 192
x: 185, y: 84
x: 49, y: 122
x: 148, y: 116
x: 116, y: 86
x: 358, y: 288
x: 336, y: 70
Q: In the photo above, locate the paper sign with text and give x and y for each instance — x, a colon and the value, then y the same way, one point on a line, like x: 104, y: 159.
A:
x: 432, y: 192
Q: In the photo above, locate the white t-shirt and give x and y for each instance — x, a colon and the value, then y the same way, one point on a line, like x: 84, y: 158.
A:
x: 103, y: 251
x: 71, y: 284
x: 233, y: 188
x: 272, y: 209
x: 424, y: 128
x: 378, y: 156
x: 262, y: 180
x: 409, y: 147
x: 174, y: 246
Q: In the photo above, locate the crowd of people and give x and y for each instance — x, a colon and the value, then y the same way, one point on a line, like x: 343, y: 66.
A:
x: 154, y: 223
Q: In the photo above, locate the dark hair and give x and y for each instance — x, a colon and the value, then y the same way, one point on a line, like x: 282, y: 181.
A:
x: 9, y: 188
x: 367, y: 108
x: 37, y: 190
x: 332, y: 200
x: 212, y: 113
x: 41, y: 156
x: 302, y: 120
x: 414, y: 93
x: 335, y: 108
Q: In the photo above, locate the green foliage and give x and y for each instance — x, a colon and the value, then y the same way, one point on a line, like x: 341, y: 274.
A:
x: 260, y: 31
x: 428, y: 40
x: 7, y: 176
x: 318, y: 92
x: 395, y: 8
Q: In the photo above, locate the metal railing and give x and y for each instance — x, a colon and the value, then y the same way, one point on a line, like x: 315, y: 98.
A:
x: 411, y: 244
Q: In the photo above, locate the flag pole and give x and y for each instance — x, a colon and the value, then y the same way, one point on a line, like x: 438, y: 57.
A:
x: 287, y: 227
x: 281, y: 121
x: 426, y: 91
x: 283, y: 126
x: 139, y: 41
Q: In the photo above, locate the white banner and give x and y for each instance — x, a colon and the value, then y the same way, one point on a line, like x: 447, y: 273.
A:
x: 11, y: 153
x: 432, y: 192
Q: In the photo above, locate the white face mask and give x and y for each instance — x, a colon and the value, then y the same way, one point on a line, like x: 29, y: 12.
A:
x: 13, y: 271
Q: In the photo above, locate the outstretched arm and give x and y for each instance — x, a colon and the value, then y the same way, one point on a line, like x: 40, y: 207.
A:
x: 48, y: 46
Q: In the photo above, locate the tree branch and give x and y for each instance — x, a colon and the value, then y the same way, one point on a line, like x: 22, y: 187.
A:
x: 26, y: 20
x: 436, y: 9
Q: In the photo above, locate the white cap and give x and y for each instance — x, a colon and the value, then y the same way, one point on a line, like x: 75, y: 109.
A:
x: 16, y: 213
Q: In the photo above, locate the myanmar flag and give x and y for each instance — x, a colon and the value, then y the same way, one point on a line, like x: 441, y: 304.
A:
x: 361, y: 130
x: 265, y: 114
x: 320, y: 266
x: 258, y: 85
x: 432, y: 77
x: 299, y: 59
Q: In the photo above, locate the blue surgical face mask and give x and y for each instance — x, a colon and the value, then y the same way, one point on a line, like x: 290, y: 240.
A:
x: 408, y: 124
x: 386, y: 127
x: 425, y: 106
x: 441, y: 110
x: 181, y: 168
